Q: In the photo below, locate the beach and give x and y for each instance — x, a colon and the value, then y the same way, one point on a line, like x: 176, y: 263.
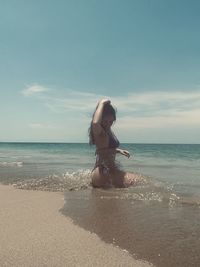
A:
x: 58, y: 219
x: 34, y: 233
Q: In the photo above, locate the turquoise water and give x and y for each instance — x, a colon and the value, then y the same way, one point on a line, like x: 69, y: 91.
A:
x: 175, y: 166
x: 158, y: 221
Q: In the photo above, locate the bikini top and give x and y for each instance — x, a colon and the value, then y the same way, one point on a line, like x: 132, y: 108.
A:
x: 113, y: 141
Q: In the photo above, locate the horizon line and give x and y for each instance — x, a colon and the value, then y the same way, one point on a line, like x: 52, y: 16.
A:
x: 53, y: 142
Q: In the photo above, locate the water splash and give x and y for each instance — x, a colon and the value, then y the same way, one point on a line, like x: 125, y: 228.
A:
x: 148, y: 191
x: 67, y: 181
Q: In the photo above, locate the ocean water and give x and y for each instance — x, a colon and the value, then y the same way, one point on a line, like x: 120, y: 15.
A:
x: 158, y: 220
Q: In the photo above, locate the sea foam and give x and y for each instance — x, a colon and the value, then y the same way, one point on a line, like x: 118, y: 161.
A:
x: 11, y: 164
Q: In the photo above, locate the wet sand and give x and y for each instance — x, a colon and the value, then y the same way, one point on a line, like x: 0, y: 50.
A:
x: 34, y: 233
x: 156, y: 231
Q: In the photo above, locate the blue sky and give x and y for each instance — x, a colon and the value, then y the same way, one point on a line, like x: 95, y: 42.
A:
x: 58, y: 58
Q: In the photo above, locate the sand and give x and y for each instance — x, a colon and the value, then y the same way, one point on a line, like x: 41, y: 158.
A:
x: 34, y: 233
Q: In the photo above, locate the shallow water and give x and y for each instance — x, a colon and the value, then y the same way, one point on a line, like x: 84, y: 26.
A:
x: 163, y: 233
x: 158, y: 220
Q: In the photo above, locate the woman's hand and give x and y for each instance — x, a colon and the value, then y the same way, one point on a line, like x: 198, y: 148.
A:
x: 104, y: 101
x: 123, y: 152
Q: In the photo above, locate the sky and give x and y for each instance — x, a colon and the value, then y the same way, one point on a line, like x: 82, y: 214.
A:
x: 58, y: 58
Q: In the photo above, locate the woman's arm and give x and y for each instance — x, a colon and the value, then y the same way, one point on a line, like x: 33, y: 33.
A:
x: 97, y: 119
x: 123, y: 152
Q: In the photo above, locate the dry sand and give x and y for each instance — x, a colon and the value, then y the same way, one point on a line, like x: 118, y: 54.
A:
x: 34, y: 233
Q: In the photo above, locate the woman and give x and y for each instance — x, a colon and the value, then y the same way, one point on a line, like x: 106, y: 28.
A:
x: 106, y: 172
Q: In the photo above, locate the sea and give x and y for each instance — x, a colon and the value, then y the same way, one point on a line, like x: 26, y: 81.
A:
x: 157, y: 220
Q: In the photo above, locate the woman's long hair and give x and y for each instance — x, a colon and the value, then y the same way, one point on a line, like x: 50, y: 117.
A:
x: 107, y: 110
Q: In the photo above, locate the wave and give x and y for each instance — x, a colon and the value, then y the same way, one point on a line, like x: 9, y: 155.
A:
x: 11, y: 164
x: 77, y: 180
x: 165, y: 165
x: 150, y: 195
x: 148, y: 191
x: 68, y: 181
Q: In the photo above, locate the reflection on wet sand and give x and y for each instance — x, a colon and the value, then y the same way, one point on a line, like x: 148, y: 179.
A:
x: 151, y: 230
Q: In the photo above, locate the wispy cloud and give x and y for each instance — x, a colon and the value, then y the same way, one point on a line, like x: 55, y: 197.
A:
x: 158, y: 110
x: 138, y: 110
x: 157, y: 103
x: 178, y: 119
x: 60, y: 101
x: 34, y: 90
x: 42, y: 126
x: 141, y: 115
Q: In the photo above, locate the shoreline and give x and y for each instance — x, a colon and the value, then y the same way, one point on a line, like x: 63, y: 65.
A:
x: 33, y: 232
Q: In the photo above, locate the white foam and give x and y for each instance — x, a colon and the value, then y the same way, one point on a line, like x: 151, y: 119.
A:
x: 11, y: 164
x: 69, y: 180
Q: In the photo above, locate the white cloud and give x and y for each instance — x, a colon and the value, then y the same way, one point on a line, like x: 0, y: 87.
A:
x: 138, y: 111
x: 138, y: 104
x: 178, y: 119
x: 34, y: 90
x: 42, y: 126
x: 156, y: 103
